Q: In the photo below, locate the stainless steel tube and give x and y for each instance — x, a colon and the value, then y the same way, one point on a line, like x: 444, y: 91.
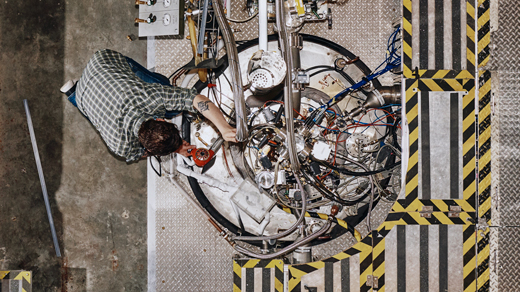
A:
x: 288, y: 87
x: 234, y: 67
x: 42, y: 178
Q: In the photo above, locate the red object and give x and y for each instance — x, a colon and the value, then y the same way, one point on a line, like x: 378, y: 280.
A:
x: 202, y: 156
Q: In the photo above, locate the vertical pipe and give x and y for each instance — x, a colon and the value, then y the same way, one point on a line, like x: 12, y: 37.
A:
x: 262, y: 25
x: 288, y: 87
x: 296, y: 64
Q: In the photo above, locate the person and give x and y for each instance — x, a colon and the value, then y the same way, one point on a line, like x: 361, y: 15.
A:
x: 127, y: 105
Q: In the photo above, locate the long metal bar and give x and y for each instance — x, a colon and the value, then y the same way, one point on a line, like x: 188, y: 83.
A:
x: 202, y: 28
x: 262, y: 25
x: 42, y: 179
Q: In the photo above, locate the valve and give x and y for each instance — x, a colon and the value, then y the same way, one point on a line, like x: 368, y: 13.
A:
x: 151, y: 19
x: 201, y: 156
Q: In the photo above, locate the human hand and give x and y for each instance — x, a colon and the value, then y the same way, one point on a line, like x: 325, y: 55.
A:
x: 185, y: 148
x: 229, y: 134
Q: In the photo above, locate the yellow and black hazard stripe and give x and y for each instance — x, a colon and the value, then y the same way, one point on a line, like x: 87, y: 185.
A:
x: 412, y: 115
x: 415, y: 64
x: 484, y: 32
x: 24, y: 276
x: 363, y: 248
x: 468, y: 143
x: 407, y: 38
x: 249, y: 265
x: 470, y: 35
x: 437, y: 205
x: 237, y: 277
x: 484, y: 145
x: 484, y: 178
x: 338, y: 221
x: 469, y: 267
x: 433, y: 218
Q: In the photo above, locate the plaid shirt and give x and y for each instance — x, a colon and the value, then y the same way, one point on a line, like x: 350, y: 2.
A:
x: 117, y: 102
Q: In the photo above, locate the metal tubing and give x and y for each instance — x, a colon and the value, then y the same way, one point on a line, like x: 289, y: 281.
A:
x: 294, y: 56
x: 202, y: 30
x: 234, y: 67
x: 292, y: 228
x: 288, y: 87
x: 262, y: 25
x: 42, y: 178
x: 287, y: 249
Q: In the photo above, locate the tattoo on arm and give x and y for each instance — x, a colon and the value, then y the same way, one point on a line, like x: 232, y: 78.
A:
x: 203, y: 106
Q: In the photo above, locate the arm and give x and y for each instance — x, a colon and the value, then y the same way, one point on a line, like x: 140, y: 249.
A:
x: 209, y: 110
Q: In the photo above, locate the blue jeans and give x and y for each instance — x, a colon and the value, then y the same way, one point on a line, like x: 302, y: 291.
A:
x: 143, y: 74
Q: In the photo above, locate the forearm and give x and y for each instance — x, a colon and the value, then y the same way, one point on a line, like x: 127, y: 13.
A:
x: 209, y: 110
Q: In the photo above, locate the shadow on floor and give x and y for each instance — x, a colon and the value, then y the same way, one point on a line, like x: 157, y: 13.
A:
x: 32, y: 49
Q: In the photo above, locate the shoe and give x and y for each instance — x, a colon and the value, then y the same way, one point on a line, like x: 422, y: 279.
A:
x: 69, y: 87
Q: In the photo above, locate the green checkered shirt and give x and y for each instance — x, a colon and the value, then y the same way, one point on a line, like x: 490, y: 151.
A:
x: 117, y: 102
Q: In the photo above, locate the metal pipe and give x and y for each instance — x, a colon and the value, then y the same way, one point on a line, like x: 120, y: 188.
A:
x: 262, y: 25
x: 42, y: 178
x: 234, y: 67
x: 287, y: 249
x: 288, y: 86
x: 292, y: 228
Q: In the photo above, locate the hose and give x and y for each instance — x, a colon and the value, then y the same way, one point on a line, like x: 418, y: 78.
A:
x: 234, y: 67
x: 242, y: 20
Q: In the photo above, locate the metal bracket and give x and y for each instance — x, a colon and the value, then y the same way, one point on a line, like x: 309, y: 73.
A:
x: 426, y: 211
x: 310, y: 289
x: 482, y: 225
x: 454, y: 211
x: 372, y: 281
x: 301, y: 78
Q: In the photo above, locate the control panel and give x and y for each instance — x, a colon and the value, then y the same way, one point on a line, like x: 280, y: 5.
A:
x: 160, y: 17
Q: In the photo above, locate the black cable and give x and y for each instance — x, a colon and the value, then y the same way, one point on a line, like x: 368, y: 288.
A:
x: 354, y: 173
x: 176, y: 71
x: 325, y: 192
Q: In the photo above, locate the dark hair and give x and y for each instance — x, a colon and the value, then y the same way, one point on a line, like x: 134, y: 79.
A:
x: 159, y: 137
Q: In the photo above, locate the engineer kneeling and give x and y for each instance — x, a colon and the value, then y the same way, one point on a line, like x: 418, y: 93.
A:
x: 127, y: 104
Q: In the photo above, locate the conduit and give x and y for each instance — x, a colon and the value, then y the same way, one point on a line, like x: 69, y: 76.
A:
x: 234, y: 67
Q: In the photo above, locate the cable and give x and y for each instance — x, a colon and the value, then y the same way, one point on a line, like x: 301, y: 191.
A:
x: 354, y: 173
x: 243, y: 20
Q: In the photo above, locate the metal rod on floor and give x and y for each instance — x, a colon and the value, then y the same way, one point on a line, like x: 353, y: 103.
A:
x: 42, y: 179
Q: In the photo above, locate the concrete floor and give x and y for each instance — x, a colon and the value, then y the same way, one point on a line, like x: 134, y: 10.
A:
x: 98, y: 201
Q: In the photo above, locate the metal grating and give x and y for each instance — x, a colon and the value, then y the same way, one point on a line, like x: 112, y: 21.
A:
x: 507, y: 259
x: 509, y: 150
x: 505, y: 55
x: 191, y: 256
x: 364, y: 36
